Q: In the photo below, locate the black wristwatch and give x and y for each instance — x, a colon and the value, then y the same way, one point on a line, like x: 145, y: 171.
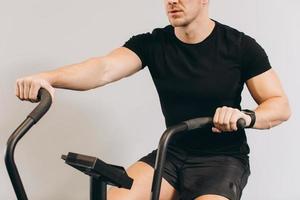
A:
x: 251, y: 113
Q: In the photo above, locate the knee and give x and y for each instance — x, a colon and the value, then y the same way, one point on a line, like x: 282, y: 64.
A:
x: 119, y: 193
x: 211, y: 197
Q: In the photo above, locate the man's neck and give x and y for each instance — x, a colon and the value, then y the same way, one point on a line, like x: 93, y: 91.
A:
x: 195, y: 32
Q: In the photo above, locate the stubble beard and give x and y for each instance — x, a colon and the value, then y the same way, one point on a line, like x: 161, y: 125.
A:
x: 178, y: 22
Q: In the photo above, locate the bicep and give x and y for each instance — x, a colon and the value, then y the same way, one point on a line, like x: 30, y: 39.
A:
x: 265, y: 86
x: 121, y: 62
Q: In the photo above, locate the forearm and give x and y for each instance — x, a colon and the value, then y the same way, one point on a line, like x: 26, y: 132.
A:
x: 272, y: 112
x: 82, y: 76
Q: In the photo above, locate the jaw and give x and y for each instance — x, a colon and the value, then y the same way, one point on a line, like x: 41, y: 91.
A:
x: 188, y: 20
x: 178, y: 22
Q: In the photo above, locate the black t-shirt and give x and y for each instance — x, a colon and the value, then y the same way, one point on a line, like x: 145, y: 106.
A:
x: 192, y: 80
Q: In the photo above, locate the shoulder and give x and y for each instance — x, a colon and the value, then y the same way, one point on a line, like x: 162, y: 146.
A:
x: 162, y: 31
x: 232, y: 34
x: 156, y: 35
x: 228, y: 29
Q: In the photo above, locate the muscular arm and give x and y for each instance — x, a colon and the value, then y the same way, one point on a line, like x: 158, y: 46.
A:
x: 273, y: 106
x: 96, y: 72
x: 92, y: 73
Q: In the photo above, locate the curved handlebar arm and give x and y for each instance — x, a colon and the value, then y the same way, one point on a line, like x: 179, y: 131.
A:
x: 44, y: 105
x: 164, y: 141
x: 32, y: 118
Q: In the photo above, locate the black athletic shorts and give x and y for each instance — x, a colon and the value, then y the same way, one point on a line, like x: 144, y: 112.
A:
x: 193, y: 176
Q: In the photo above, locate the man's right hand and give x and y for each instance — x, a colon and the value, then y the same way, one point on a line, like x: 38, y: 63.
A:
x: 27, y: 87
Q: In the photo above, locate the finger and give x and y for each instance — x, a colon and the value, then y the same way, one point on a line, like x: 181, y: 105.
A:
x: 26, y: 89
x: 33, y: 92
x: 216, y: 117
x: 215, y: 130
x: 17, y: 89
x: 21, y: 95
x: 235, y: 116
x: 221, y: 120
x: 227, y: 117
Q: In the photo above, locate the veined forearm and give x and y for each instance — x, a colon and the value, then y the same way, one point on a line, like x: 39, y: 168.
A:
x: 272, y: 112
x: 92, y: 73
x: 82, y: 76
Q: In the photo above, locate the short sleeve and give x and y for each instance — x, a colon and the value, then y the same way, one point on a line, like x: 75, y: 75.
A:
x: 141, y: 46
x: 254, y: 59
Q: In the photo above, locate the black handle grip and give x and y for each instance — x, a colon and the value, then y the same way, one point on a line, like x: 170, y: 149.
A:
x: 45, y: 102
x: 205, y: 121
x: 241, y: 123
x: 198, y: 122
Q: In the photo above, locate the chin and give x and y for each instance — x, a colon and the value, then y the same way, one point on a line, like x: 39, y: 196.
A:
x: 178, y: 23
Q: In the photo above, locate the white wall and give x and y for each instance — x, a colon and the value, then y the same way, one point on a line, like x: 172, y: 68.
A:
x: 121, y: 122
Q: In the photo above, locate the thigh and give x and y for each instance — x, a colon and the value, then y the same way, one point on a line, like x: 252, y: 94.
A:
x: 217, y: 176
x: 211, y: 197
x: 142, y: 174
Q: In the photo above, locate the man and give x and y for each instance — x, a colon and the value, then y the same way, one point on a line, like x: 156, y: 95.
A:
x: 199, y: 67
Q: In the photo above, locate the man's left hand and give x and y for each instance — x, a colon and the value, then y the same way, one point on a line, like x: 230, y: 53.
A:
x: 225, y: 119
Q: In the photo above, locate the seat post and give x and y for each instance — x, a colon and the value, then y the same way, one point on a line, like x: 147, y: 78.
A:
x: 97, y: 189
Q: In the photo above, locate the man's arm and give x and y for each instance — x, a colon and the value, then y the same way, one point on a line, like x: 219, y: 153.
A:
x: 92, y: 73
x: 273, y: 106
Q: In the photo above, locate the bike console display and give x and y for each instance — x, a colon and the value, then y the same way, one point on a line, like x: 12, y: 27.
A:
x: 96, y: 168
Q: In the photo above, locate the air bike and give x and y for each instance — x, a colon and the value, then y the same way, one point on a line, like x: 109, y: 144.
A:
x: 101, y: 173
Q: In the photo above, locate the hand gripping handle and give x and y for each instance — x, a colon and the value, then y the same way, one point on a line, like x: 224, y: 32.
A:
x: 44, y: 105
x: 205, y: 121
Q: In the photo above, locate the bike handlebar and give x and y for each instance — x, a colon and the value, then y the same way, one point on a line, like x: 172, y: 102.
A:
x: 164, y: 141
x: 204, y: 121
x: 44, y: 105
x: 39, y: 111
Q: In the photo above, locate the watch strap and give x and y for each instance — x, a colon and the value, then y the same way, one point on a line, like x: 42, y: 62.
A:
x: 252, y: 115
